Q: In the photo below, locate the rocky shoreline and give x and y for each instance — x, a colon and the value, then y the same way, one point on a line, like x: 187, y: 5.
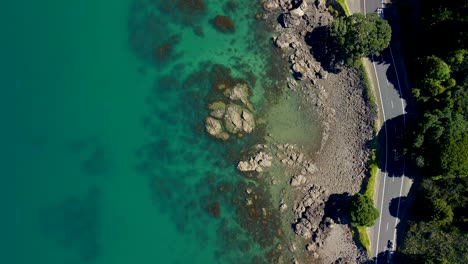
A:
x: 337, y: 169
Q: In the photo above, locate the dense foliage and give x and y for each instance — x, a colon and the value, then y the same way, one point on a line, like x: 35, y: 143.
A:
x: 438, y: 145
x: 358, y: 36
x: 362, y: 211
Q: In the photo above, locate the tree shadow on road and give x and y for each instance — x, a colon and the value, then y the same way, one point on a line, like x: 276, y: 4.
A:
x: 391, y: 140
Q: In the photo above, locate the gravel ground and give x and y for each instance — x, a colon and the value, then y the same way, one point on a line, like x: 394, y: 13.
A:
x: 346, y: 124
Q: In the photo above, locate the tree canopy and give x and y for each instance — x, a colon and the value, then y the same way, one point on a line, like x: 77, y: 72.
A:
x: 362, y: 210
x: 357, y: 36
x: 437, y: 59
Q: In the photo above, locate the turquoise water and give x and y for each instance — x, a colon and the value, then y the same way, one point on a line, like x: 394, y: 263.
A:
x: 104, y: 156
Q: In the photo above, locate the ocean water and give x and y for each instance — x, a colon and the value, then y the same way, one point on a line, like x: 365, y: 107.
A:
x: 104, y: 155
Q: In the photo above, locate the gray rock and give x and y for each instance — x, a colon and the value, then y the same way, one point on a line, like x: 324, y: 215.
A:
x: 283, y: 207
x: 303, y: 228
x: 297, y: 13
x: 311, y: 247
x: 298, y: 180
x: 239, y: 92
x: 213, y: 127
x: 257, y: 163
x: 284, y: 40
x: 218, y: 109
x: 232, y: 118
x: 270, y: 5
x: 248, y: 123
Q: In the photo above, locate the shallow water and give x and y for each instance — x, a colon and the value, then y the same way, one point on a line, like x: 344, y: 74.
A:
x: 104, y: 156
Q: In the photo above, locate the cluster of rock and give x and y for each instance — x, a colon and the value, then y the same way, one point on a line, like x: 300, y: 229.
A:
x: 301, y: 20
x: 309, y: 212
x: 233, y: 115
x: 290, y: 155
x: 294, y: 29
x: 257, y: 163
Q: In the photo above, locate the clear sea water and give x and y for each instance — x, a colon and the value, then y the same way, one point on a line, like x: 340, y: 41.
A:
x: 104, y: 158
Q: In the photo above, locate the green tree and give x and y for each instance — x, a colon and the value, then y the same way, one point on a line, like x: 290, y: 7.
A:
x: 357, y: 36
x: 436, y: 69
x: 362, y: 210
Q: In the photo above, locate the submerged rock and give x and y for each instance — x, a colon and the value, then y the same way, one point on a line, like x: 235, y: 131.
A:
x: 223, y: 24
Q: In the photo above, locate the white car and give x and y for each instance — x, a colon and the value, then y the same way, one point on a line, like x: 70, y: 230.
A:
x: 380, y: 12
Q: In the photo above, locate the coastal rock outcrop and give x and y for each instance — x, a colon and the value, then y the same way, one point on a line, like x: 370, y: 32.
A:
x: 232, y: 113
x: 257, y: 163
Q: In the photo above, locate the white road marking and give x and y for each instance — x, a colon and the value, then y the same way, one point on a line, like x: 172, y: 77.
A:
x: 404, y: 126
x: 391, y: 103
x: 399, y: 87
x: 385, y: 166
x: 387, y: 226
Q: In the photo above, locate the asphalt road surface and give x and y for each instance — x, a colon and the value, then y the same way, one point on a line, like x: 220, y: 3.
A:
x: 392, y: 185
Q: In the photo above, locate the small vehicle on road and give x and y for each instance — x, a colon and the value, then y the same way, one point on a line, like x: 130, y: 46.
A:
x: 380, y: 12
x: 390, y: 245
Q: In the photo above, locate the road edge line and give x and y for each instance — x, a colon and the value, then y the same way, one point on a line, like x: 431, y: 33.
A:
x: 385, y: 167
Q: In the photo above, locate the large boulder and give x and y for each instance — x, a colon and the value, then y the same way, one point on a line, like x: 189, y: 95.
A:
x: 218, y: 109
x: 239, y: 92
x: 270, y: 5
x: 233, y: 119
x: 298, y: 180
x: 213, y: 127
x: 284, y: 40
x: 257, y: 163
x: 297, y: 13
x: 248, y: 123
x: 238, y: 120
x: 303, y: 228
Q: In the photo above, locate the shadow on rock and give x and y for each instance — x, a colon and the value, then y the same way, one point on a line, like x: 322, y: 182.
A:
x: 335, y: 207
x: 322, y: 48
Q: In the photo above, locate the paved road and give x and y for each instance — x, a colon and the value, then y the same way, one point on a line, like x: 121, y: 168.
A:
x: 392, y: 186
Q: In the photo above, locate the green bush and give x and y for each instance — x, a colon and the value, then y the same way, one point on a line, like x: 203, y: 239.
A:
x: 358, y: 36
x: 362, y: 211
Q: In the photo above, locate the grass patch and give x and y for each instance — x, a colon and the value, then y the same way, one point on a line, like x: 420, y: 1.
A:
x: 338, y: 7
x: 344, y: 7
x: 373, y: 170
x: 368, y: 94
x: 364, y: 238
x: 360, y: 232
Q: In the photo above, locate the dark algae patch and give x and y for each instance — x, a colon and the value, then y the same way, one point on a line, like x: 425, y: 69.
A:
x: 106, y: 155
x: 223, y: 24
